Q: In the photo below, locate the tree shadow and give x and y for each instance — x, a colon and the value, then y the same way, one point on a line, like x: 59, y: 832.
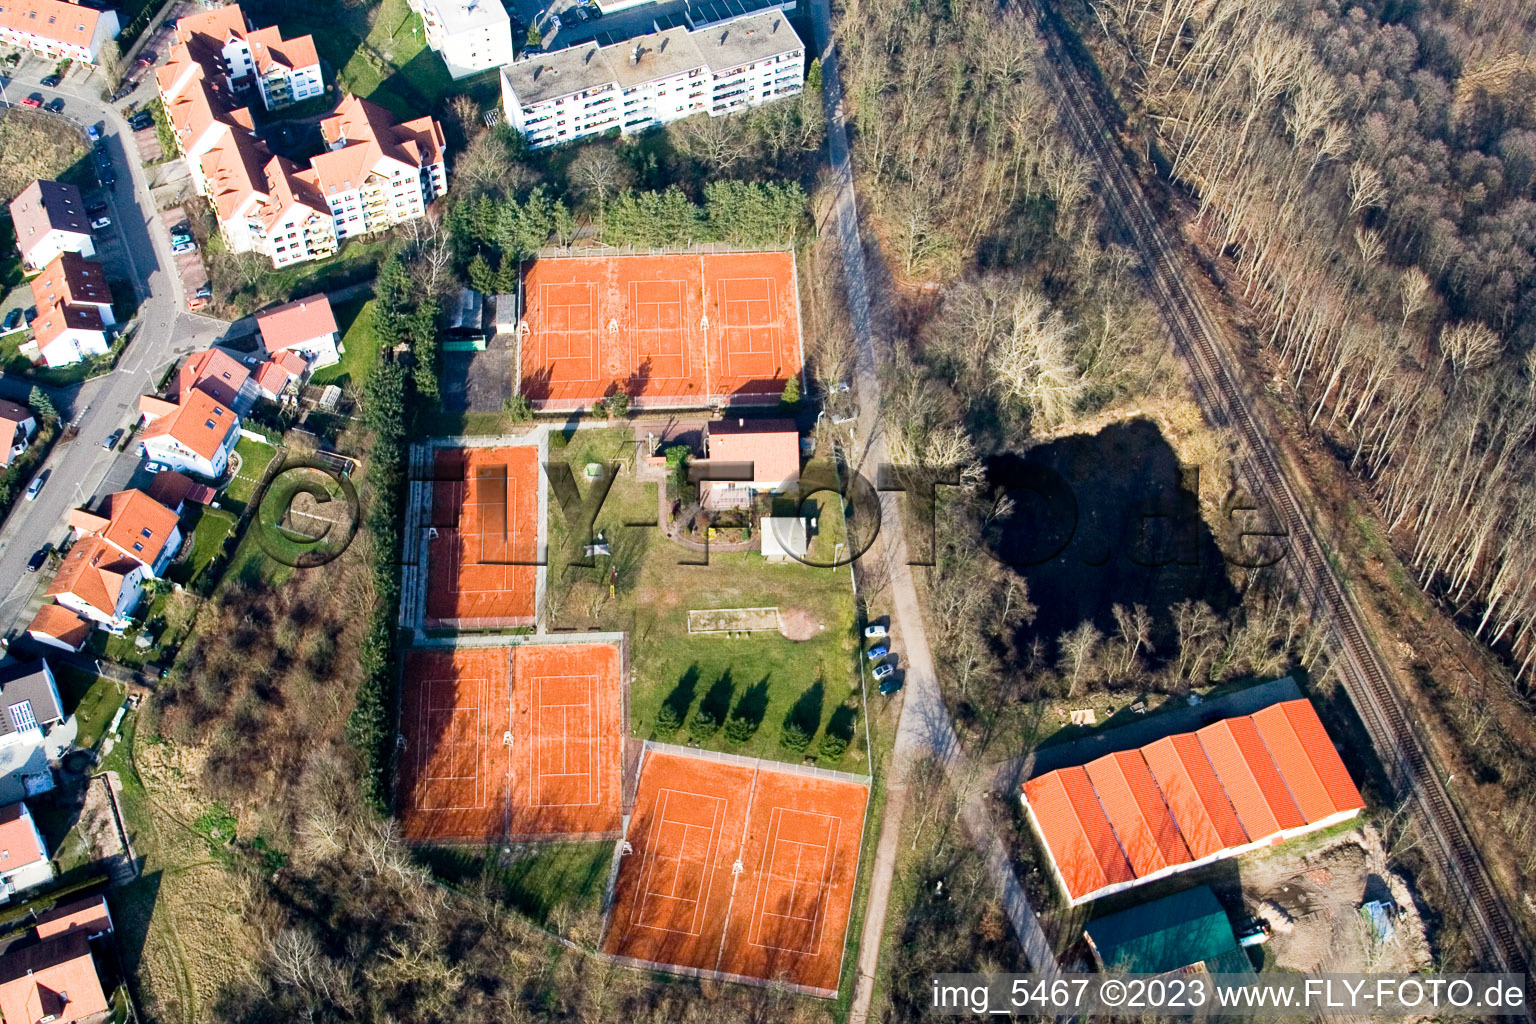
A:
x: 748, y: 714
x: 717, y: 699
x: 806, y: 712
x: 842, y: 722
x: 681, y: 697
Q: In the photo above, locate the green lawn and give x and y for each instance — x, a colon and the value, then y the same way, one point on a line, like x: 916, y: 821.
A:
x: 255, y: 456
x: 388, y: 62
x: 540, y: 881
x: 355, y: 319
x: 91, y: 699
x: 764, y: 679
x: 204, y: 531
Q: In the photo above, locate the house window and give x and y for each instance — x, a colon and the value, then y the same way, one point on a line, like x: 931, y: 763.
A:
x: 21, y: 716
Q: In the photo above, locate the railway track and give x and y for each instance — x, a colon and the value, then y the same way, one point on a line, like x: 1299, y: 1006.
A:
x: 1400, y: 744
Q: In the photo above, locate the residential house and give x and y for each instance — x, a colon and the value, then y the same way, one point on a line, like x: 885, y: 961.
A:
x: 54, y: 980
x: 135, y: 525
x: 586, y: 90
x: 219, y: 375
x: 57, y: 28
x: 74, y: 310
x: 174, y: 490
x: 58, y: 626
x: 278, y: 378
x: 99, y: 582
x: 89, y: 917
x: 30, y: 696
x: 470, y: 35
x: 378, y: 173
x: 17, y: 428
x: 305, y: 326
x: 749, y: 457
x: 195, y: 435
x: 49, y: 218
x: 24, y: 859
x: 283, y: 71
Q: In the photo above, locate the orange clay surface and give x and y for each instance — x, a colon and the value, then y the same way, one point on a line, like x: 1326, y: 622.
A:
x: 783, y: 916
x: 511, y: 743
x: 677, y: 330
x: 485, y: 509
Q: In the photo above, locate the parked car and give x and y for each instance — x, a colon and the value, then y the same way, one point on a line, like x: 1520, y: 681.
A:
x: 876, y: 653
x: 37, y: 485
x: 56, y: 104
x: 141, y: 121
x: 154, y: 467
x: 98, y: 223
x: 34, y: 101
x: 93, y: 133
x: 39, y: 558
x: 180, y: 247
x: 884, y: 672
x: 196, y: 303
x: 204, y: 290
x: 51, y: 82
x: 110, y: 441
x: 875, y: 632
x: 97, y: 208
x: 12, y: 320
x: 181, y: 233
x: 890, y: 686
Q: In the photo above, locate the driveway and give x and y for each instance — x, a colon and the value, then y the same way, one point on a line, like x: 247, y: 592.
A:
x: 163, y: 331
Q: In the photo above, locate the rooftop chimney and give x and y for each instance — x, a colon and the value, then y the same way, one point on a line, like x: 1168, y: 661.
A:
x: 634, y: 55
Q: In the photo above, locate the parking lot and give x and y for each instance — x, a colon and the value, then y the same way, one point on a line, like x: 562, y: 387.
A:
x: 189, y: 265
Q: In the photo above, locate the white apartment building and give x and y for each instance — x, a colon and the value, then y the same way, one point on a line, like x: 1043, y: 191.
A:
x: 470, y: 35
x: 587, y: 90
x: 377, y: 173
x: 57, y: 28
x: 284, y: 71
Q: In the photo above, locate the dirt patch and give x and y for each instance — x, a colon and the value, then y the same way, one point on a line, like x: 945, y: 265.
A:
x: 799, y: 624
x: 1312, y: 901
x: 36, y: 144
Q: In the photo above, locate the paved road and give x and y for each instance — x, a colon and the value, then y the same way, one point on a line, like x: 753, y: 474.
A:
x: 100, y: 406
x: 924, y: 727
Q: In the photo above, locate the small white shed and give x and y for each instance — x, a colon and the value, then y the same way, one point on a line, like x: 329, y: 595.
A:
x: 784, y: 537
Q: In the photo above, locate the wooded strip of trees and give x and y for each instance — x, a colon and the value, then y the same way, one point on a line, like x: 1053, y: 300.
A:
x: 1371, y: 174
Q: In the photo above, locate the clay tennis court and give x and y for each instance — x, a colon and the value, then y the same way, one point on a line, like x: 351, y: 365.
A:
x: 673, y: 330
x: 481, y: 570
x: 511, y: 743
x: 680, y: 899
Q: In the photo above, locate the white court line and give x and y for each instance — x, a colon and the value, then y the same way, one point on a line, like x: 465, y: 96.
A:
x: 681, y: 330
x: 423, y: 718
x: 542, y: 352
x: 595, y: 740
x: 651, y: 858
x: 817, y: 920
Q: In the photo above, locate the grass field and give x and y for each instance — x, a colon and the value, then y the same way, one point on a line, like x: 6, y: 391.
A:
x: 33, y: 145
x: 766, y: 680
x: 379, y: 53
x: 91, y: 699
x: 254, y: 459
x: 355, y: 319
x: 204, y: 531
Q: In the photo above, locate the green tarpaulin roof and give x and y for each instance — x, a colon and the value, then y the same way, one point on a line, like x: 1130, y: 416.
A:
x: 1167, y: 934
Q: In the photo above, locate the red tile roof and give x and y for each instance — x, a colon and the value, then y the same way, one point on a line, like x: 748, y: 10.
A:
x: 62, y: 22
x: 198, y: 422
x: 62, y: 624
x: 73, y: 279
x: 54, y: 980
x: 1189, y: 796
x: 214, y: 372
x: 18, y: 839
x: 88, y: 916
x: 772, y: 446
x: 93, y: 572
x: 297, y: 322
x: 137, y: 525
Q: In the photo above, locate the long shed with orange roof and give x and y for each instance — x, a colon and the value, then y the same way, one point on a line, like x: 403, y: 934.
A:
x: 1189, y: 799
